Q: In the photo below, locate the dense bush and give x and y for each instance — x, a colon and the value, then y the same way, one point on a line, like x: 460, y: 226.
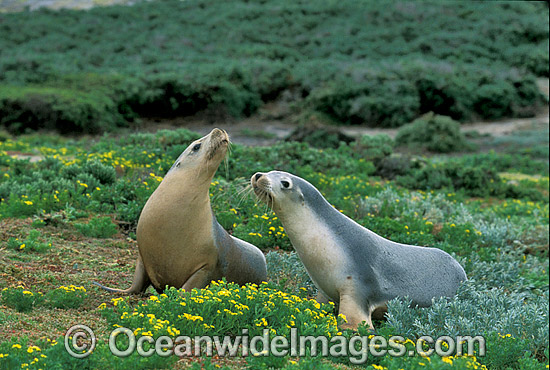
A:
x: 479, y: 180
x: 318, y: 135
x: 366, y: 63
x: 435, y: 133
x: 83, y: 103
x: 372, y: 148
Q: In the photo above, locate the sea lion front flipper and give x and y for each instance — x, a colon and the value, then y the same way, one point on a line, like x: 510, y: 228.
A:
x: 354, y: 312
x: 140, y: 282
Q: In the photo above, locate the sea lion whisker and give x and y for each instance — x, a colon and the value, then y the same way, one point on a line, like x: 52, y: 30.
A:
x: 241, y: 195
x: 241, y: 182
x: 229, y: 146
x: 244, y: 192
x: 226, y: 166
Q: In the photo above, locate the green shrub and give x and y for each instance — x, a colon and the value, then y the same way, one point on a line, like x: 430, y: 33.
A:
x: 31, y: 243
x: 103, y: 173
x: 372, y: 148
x: 97, y: 227
x: 479, y: 180
x: 502, y: 162
x: 370, y: 102
x: 432, y: 132
x: 20, y: 299
x: 393, y: 166
x: 476, y: 181
x: 52, y: 108
x: 66, y: 296
x: 318, y: 135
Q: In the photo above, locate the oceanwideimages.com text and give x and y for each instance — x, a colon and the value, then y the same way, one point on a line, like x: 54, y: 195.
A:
x: 124, y: 342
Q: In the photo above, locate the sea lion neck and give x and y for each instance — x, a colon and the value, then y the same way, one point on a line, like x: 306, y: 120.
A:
x: 184, y: 189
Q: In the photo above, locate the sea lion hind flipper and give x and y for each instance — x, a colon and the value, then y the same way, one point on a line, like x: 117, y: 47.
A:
x: 140, y: 282
x: 199, y: 279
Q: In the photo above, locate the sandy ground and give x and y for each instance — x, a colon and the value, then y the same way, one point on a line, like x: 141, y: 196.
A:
x: 19, y: 5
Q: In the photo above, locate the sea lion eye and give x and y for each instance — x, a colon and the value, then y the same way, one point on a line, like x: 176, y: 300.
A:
x: 196, y: 147
x: 285, y: 184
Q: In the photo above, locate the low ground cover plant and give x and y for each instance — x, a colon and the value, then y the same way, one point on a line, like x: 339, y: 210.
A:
x: 499, y: 236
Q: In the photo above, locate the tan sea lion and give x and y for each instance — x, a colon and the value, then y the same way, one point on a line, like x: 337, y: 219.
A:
x: 348, y: 263
x: 180, y: 242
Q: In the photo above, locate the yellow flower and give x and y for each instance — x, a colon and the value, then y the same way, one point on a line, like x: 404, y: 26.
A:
x: 22, y: 246
x: 16, y: 346
x: 116, y: 301
x: 31, y: 349
x: 102, y: 306
x: 343, y: 317
x: 378, y: 367
x: 447, y: 360
x: 173, y: 331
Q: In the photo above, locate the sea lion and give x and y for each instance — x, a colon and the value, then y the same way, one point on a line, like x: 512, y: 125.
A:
x: 348, y: 263
x: 180, y: 242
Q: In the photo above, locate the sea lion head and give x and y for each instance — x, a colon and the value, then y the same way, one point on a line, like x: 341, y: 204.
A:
x: 279, y: 190
x: 203, y: 156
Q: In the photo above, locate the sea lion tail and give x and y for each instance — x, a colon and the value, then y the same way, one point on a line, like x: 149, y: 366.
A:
x: 140, y: 283
x: 130, y: 290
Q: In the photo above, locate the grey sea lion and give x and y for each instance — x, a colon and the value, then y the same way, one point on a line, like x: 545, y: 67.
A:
x: 348, y: 263
x: 180, y: 242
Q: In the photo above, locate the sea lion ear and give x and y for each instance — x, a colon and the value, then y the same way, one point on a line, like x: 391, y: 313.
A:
x: 302, y: 199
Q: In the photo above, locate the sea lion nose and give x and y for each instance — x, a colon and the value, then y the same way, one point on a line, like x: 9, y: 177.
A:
x: 257, y: 176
